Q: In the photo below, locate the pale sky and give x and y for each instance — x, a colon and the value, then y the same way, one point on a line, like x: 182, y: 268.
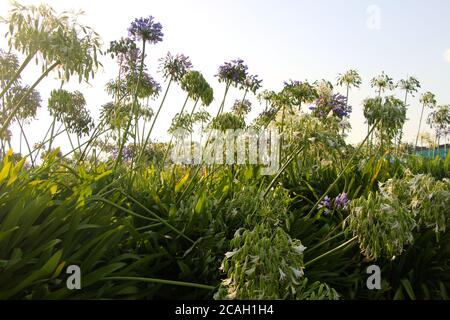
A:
x: 279, y: 40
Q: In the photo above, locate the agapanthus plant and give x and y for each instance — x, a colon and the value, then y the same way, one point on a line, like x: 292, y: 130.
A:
x: 60, y: 42
x: 70, y: 109
x: 233, y: 72
x: 242, y: 107
x: 340, y: 202
x: 382, y: 83
x: 174, y: 67
x: 127, y: 154
x: 439, y: 120
x: 252, y: 84
x: 335, y: 106
x: 144, y: 86
x: 227, y: 120
x: 299, y: 93
x: 195, y: 85
x: 410, y: 86
x: 428, y: 100
x: 146, y: 30
x: 125, y: 50
x: 389, y: 113
x: 265, y: 263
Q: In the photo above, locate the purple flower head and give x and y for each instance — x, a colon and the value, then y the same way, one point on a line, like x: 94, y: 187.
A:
x: 148, y: 86
x: 233, y: 72
x: 337, y: 104
x: 326, y: 204
x: 341, y: 201
x: 175, y: 67
x: 146, y: 29
x: 127, y: 154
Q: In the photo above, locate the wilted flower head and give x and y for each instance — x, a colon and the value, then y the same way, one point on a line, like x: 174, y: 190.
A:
x: 410, y: 85
x: 382, y: 82
x: 125, y: 50
x: 70, y: 109
x: 29, y: 102
x: 252, y: 83
x: 175, y: 67
x: 242, y: 107
x: 146, y: 29
x: 298, y: 92
x: 233, y: 72
x: 147, y: 86
x: 265, y: 117
x: 428, y: 99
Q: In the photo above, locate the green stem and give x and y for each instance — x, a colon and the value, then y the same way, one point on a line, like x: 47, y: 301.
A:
x: 51, y: 134
x: 147, y: 138
x: 99, y: 127
x: 330, y: 252
x: 195, y: 106
x: 343, y: 171
x: 162, y: 281
x: 420, y: 124
x: 289, y: 160
x: 135, y: 98
x: 158, y: 217
x: 171, y: 138
x: 401, y: 129
x: 222, y: 105
x: 326, y: 241
x: 26, y: 141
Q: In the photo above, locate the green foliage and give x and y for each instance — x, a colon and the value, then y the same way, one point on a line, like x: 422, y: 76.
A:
x: 141, y: 228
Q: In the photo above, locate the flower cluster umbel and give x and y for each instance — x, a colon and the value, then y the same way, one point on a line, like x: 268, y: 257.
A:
x: 337, y: 106
x: 175, y: 66
x: 146, y: 29
x: 329, y: 205
x: 233, y: 72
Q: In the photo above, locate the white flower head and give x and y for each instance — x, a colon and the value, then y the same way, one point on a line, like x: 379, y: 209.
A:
x: 229, y: 254
x: 282, y: 274
x: 299, y: 249
x: 297, y: 273
x: 330, y: 114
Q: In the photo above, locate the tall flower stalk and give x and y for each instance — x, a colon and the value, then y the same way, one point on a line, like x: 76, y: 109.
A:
x: 410, y: 86
x: 428, y: 100
x: 145, y: 30
x: 350, y: 79
x: 381, y: 84
x: 173, y: 68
